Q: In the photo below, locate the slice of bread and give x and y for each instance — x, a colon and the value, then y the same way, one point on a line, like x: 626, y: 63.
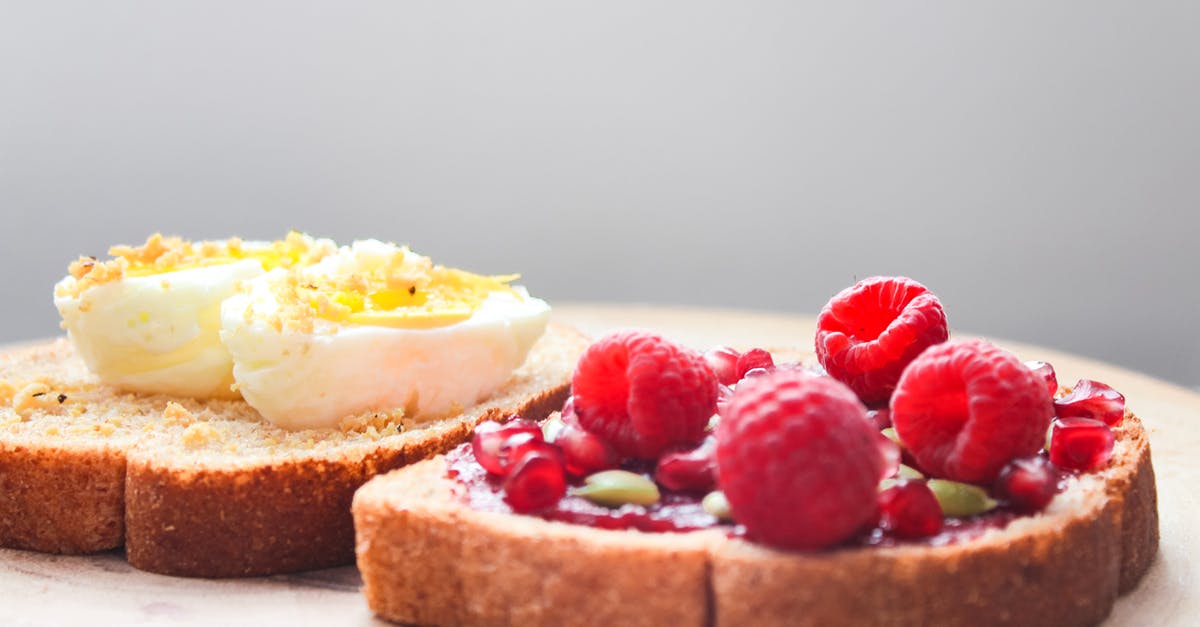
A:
x: 427, y: 558
x: 207, y: 488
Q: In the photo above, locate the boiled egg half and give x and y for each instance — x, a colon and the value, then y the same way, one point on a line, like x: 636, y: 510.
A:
x: 148, y: 320
x: 375, y: 328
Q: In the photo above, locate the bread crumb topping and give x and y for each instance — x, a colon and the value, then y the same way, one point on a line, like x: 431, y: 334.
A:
x: 169, y: 254
x: 200, y: 434
x: 175, y: 413
x: 31, y: 398
x: 375, y: 425
x: 7, y: 391
x: 376, y: 284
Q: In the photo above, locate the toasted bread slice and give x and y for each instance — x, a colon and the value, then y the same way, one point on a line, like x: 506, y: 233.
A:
x: 207, y: 488
x: 427, y: 558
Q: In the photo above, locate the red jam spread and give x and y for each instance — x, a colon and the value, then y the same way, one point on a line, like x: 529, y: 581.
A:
x: 678, y: 512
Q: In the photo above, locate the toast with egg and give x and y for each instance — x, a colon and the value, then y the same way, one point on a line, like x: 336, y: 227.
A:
x: 207, y: 488
x: 1064, y: 566
x: 219, y: 401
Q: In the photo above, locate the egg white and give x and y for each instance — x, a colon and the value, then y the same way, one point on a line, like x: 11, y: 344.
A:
x: 157, y: 334
x: 302, y: 380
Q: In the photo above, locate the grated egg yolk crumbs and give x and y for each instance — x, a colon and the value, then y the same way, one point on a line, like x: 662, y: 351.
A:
x: 170, y: 254
x: 406, y: 291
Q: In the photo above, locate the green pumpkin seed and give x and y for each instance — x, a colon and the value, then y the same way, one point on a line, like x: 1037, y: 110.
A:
x: 614, y: 488
x: 716, y: 504
x: 961, y: 499
x: 906, y: 473
x: 890, y: 434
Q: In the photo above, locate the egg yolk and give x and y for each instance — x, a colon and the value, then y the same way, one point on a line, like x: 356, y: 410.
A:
x: 449, y: 296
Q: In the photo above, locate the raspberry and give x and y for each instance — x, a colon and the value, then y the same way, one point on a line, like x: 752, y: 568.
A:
x: 798, y: 460
x: 964, y: 409
x: 643, y: 393
x: 868, y: 333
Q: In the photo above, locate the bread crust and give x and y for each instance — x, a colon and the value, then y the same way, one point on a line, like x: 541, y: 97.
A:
x: 226, y: 517
x: 1135, y: 489
x: 1064, y: 567
x: 59, y: 500
x: 425, y: 558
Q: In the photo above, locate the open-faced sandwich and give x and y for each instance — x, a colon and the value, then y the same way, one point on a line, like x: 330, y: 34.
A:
x: 900, y: 478
x: 219, y: 402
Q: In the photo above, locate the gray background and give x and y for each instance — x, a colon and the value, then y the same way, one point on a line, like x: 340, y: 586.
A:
x: 1034, y: 163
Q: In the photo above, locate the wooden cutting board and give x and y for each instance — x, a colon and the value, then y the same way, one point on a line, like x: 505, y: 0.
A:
x: 102, y: 589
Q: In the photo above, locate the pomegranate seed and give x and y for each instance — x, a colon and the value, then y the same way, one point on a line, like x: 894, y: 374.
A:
x: 490, y: 437
x: 724, y: 363
x: 754, y: 358
x: 1080, y: 444
x: 891, y: 456
x: 910, y: 510
x: 881, y: 418
x: 521, y: 445
x: 872, y: 522
x: 907, y: 459
x: 754, y: 373
x: 724, y: 393
x: 585, y: 452
x: 1045, y: 371
x: 1028, y: 484
x: 536, y: 482
x: 568, y: 412
x: 689, y: 471
x: 1092, y: 399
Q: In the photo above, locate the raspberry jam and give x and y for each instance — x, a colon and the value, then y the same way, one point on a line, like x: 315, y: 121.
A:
x: 679, y: 512
x: 675, y: 512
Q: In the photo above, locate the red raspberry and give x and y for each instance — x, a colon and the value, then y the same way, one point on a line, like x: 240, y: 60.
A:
x: 964, y: 409
x: 798, y: 460
x: 643, y: 393
x: 868, y: 333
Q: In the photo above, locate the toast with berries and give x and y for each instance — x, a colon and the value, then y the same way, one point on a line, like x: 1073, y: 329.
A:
x: 427, y: 557
x: 207, y: 488
x: 729, y: 489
